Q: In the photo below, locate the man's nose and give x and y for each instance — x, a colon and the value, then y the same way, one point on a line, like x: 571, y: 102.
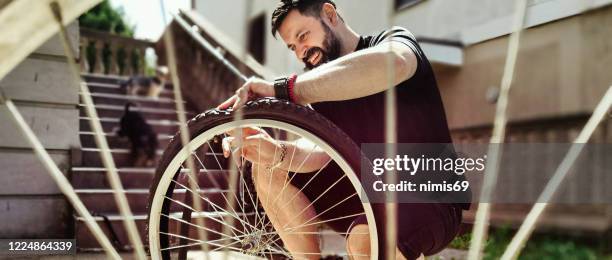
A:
x: 301, y: 51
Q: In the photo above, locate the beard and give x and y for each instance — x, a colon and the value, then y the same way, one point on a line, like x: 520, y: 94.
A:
x: 329, y: 52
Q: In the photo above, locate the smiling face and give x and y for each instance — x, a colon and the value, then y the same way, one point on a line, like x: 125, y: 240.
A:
x: 310, y: 38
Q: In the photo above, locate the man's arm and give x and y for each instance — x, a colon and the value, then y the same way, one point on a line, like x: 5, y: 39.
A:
x: 304, y: 156
x: 358, y: 74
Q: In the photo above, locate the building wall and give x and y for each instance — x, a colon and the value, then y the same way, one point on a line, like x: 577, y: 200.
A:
x: 557, y: 73
x: 475, y: 21
x: 560, y: 72
x: 466, y: 21
x: 31, y: 205
x: 278, y: 58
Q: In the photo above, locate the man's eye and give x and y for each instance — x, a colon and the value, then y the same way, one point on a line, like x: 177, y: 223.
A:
x: 303, y: 36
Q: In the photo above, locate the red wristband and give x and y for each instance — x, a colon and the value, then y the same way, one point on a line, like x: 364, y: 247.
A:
x: 291, y: 87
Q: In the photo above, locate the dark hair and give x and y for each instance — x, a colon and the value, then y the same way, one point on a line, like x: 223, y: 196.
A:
x: 305, y: 7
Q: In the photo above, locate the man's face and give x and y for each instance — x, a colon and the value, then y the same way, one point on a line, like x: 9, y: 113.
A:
x: 310, y: 38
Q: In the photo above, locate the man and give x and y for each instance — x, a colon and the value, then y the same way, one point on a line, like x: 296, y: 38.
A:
x: 346, y: 81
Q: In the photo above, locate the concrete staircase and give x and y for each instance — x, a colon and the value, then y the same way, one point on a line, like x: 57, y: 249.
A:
x: 89, y: 177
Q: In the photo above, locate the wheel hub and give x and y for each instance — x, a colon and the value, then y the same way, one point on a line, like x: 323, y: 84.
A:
x: 253, y: 242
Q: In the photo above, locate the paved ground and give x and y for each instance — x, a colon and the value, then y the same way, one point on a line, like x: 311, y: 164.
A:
x: 448, y: 254
x: 102, y: 256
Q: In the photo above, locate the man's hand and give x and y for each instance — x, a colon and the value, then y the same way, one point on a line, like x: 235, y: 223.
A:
x: 254, y: 144
x: 254, y: 88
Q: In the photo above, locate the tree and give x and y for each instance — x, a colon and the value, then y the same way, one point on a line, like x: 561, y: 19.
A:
x: 104, y: 17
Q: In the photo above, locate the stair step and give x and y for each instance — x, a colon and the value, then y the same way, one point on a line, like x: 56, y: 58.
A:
x: 86, y: 241
x: 101, y: 78
x: 137, y: 178
x: 114, y: 111
x: 132, y: 98
x: 115, y: 88
x: 121, y: 100
x: 166, y: 127
x: 95, y: 178
x: 91, y: 158
x: 102, y: 200
x: 88, y: 140
x: 91, y: 180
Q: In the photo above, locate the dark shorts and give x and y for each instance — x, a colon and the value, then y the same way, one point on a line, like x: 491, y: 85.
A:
x: 423, y: 228
x: 329, y: 202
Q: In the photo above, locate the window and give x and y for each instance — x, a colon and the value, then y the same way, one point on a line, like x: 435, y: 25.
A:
x: 401, y: 4
x: 257, y: 38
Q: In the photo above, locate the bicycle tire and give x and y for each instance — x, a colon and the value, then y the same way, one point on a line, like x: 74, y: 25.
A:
x: 266, y: 108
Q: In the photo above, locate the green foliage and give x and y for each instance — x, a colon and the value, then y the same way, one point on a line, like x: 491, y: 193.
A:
x: 539, y: 247
x: 496, y: 243
x: 104, y: 17
x: 150, y: 71
x: 461, y: 242
x: 553, y: 249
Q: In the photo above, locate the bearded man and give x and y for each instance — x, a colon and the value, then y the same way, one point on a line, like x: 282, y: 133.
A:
x: 346, y: 81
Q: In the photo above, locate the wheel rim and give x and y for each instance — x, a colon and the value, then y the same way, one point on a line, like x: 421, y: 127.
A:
x: 203, y: 138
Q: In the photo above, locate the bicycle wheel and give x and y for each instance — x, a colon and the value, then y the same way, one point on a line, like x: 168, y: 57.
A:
x: 172, y: 231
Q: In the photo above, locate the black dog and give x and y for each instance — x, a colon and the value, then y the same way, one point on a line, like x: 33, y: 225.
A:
x: 141, y: 136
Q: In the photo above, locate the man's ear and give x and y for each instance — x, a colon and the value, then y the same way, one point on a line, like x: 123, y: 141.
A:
x: 329, y: 13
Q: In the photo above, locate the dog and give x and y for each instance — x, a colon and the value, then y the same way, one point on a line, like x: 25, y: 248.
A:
x: 141, y: 135
x: 146, y: 86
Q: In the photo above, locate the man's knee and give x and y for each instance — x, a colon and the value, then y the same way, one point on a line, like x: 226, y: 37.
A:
x: 358, y: 241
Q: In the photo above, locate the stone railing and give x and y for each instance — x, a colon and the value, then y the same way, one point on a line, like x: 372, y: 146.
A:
x: 105, y: 53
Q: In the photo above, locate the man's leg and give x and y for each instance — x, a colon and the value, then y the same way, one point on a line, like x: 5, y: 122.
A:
x: 358, y: 244
x: 283, y: 203
x: 425, y: 228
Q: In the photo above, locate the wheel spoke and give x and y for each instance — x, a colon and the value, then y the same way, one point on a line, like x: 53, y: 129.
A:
x: 227, y: 202
x: 286, y: 182
x: 315, y: 200
x: 270, y: 172
x: 247, y: 187
x: 215, y: 206
x: 256, y: 230
x: 257, y: 200
x: 214, y: 182
x: 194, y: 225
x: 302, y: 188
x: 290, y: 230
x: 325, y: 221
x: 330, y: 208
x: 307, y: 183
x: 199, y: 242
x: 206, y: 200
x: 205, y: 215
x: 221, y: 167
x: 299, y: 168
